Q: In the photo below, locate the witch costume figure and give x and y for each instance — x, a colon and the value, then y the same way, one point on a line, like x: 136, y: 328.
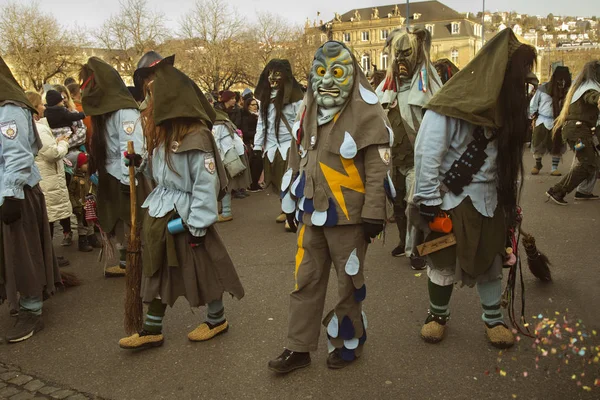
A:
x: 468, y: 159
x: 189, y: 260
x: 336, y: 189
x: 144, y: 72
x: 545, y: 106
x: 115, y: 120
x: 280, y: 96
x: 410, y: 83
x: 28, y: 267
x: 445, y: 69
x: 578, y: 125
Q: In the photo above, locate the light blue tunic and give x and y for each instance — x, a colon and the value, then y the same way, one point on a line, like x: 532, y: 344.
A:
x: 121, y: 127
x: 273, y: 146
x: 18, y: 148
x: 441, y: 141
x: 193, y: 193
x: 541, y: 103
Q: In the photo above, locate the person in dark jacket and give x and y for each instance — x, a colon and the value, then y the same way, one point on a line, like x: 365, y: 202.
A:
x: 249, y: 121
x: 57, y: 114
x: 230, y: 106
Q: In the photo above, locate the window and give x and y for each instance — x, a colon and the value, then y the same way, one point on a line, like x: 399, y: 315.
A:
x: 455, y: 28
x: 365, y: 62
x: 365, y: 36
x: 384, y: 61
x: 384, y: 34
x: 454, y: 56
x: 429, y: 28
x: 346, y: 38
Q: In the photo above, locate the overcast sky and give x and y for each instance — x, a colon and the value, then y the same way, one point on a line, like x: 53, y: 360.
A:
x: 91, y: 13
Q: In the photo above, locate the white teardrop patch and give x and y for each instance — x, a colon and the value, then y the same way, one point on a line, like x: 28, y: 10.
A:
x: 368, y: 96
x: 348, y: 149
x: 353, y: 264
x: 391, y: 131
x: 333, y: 327
x: 319, y: 218
x: 296, y: 183
x: 330, y: 347
x: 286, y: 180
x: 288, y: 205
x: 302, y: 152
x: 365, y: 319
x: 301, y: 203
x: 295, y: 129
x: 351, y: 344
x: 392, y: 188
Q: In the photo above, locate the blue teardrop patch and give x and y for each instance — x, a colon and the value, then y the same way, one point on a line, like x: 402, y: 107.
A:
x: 346, y: 329
x: 360, y: 294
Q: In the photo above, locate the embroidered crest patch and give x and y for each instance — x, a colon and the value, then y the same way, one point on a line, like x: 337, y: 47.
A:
x: 385, y: 154
x: 128, y: 127
x: 9, y: 129
x: 209, y: 164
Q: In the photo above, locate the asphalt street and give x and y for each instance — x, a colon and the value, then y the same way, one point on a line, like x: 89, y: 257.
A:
x: 78, y: 347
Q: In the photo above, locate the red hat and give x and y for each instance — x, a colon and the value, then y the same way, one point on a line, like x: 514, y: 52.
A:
x: 227, y: 95
x: 82, y: 158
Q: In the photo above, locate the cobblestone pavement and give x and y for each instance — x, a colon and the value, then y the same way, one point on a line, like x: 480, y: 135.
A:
x: 16, y: 385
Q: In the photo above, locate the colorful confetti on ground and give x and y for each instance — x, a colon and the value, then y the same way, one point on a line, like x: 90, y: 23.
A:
x: 562, y: 345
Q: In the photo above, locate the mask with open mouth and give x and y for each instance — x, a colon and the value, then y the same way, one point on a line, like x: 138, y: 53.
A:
x: 332, y: 75
x: 275, y: 78
x: 408, y: 51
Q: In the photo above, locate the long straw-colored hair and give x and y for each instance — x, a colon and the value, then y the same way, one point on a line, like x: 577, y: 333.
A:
x: 590, y: 72
x: 173, y: 130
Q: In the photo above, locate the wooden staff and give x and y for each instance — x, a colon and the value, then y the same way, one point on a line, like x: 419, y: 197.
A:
x: 133, y: 301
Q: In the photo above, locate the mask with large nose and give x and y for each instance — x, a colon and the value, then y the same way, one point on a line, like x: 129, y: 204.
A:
x: 332, y: 75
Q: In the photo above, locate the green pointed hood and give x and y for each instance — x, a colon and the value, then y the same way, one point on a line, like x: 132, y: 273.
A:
x: 177, y: 96
x: 472, y: 94
x: 10, y: 88
x: 104, y: 91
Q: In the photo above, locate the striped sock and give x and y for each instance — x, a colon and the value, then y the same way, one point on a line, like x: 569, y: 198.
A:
x: 215, y: 313
x: 490, y: 294
x: 154, y: 317
x: 555, y: 162
x: 538, y: 162
x: 123, y: 257
x: 439, y: 299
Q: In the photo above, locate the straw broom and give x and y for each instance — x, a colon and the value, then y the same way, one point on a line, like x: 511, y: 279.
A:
x: 133, y: 301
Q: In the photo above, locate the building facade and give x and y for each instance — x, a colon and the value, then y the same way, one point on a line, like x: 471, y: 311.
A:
x: 455, y: 36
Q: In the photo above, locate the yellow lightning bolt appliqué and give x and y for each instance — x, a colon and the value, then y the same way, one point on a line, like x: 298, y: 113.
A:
x: 337, y: 180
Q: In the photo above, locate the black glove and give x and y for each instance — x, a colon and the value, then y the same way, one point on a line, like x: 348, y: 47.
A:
x: 125, y: 188
x: 291, y: 220
x: 371, y: 230
x: 134, y: 158
x: 429, y: 212
x: 11, y: 210
x: 257, y: 153
x: 195, y: 241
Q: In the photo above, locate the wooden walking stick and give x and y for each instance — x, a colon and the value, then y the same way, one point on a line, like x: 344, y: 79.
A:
x: 133, y: 300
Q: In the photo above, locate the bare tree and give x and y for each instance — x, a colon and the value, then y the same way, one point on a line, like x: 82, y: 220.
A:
x: 36, y: 45
x: 130, y: 33
x: 215, y: 50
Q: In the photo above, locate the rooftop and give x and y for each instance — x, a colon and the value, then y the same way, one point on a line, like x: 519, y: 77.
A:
x: 429, y: 10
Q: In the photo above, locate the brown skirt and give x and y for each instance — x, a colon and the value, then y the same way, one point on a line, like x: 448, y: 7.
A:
x: 243, y: 180
x: 203, y: 273
x: 274, y: 171
x: 114, y: 205
x: 28, y: 266
x: 480, y: 243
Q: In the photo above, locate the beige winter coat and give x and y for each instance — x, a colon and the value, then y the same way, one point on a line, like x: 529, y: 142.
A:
x: 53, y: 183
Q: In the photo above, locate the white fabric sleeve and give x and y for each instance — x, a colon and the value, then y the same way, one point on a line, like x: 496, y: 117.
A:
x: 433, y: 142
x: 203, y: 209
x: 16, y: 149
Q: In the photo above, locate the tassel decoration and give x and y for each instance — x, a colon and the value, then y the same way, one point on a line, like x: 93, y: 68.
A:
x: 539, y: 265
